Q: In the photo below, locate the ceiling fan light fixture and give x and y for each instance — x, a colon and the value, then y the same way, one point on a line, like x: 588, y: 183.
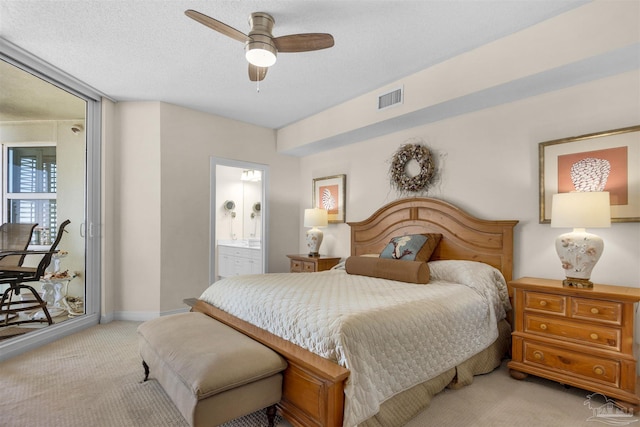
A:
x: 261, y: 48
x: 260, y: 54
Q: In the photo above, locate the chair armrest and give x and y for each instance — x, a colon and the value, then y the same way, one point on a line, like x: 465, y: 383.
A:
x: 7, y: 253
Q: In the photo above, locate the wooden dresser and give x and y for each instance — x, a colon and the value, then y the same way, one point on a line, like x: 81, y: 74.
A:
x: 578, y: 337
x: 307, y: 264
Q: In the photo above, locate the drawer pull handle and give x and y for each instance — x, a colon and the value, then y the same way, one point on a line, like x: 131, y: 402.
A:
x: 595, y: 310
x: 598, y: 370
x: 594, y: 336
x: 538, y: 355
x: 543, y: 326
x: 543, y: 303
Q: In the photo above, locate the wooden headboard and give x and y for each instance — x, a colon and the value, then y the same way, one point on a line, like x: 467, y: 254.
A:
x: 464, y: 237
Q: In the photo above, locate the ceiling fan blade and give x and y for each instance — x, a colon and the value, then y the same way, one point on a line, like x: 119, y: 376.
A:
x: 257, y: 74
x: 303, y: 42
x: 214, y: 24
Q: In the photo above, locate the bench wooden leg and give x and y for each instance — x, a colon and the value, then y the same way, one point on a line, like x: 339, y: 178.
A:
x: 271, y: 415
x: 146, y: 370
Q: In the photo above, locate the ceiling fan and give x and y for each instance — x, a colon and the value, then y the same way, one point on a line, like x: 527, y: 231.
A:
x: 261, y: 48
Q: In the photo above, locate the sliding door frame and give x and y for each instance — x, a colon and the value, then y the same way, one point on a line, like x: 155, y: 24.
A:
x: 18, y: 57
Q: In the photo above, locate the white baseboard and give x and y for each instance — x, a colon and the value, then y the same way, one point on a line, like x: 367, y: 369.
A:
x: 141, y: 316
x: 176, y: 311
x: 106, y: 318
x: 135, y: 316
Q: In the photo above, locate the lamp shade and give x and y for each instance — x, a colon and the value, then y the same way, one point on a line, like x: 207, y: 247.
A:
x: 587, y: 209
x: 315, y: 217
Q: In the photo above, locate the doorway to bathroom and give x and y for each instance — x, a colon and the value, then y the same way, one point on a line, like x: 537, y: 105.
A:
x: 238, y: 215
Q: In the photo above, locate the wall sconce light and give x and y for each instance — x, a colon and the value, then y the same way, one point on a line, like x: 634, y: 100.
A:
x: 578, y: 250
x: 315, y: 218
x: 229, y: 207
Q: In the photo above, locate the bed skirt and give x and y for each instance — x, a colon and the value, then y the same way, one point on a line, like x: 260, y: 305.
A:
x: 401, y: 408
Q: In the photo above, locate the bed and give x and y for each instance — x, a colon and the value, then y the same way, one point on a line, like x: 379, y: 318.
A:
x: 354, y: 361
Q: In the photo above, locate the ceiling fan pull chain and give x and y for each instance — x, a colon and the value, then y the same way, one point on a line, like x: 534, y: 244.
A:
x: 258, y: 86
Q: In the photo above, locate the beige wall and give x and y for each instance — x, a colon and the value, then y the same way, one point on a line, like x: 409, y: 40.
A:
x: 161, y: 215
x: 488, y: 165
x: 109, y: 138
x: 487, y: 161
x: 488, y: 157
x: 522, y: 62
x: 136, y: 228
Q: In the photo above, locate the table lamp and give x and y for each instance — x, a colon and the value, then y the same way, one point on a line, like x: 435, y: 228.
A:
x: 578, y: 250
x: 315, y: 218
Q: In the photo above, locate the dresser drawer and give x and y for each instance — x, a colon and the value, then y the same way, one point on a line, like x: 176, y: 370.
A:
x: 576, y: 364
x: 593, y: 335
x: 296, y: 266
x: 598, y: 310
x: 548, y: 303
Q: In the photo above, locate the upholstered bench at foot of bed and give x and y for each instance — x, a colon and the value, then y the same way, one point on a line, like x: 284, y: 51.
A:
x: 211, y: 372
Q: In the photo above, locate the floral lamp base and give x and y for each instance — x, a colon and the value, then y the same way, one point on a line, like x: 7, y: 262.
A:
x: 314, y: 239
x: 579, y: 252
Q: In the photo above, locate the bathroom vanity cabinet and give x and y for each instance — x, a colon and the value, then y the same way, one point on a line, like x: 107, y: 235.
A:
x: 234, y: 260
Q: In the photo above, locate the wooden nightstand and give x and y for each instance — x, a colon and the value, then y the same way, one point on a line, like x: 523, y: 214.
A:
x: 579, y: 337
x: 303, y: 263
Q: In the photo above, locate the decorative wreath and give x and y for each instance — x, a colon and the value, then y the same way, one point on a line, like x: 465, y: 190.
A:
x: 398, y: 170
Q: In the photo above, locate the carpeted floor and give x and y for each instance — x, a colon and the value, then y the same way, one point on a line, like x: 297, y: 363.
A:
x: 93, y: 379
x: 7, y: 332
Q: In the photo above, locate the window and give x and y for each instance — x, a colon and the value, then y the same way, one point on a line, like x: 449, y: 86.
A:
x: 30, y: 194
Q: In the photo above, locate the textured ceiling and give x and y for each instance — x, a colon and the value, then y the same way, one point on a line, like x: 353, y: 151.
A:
x: 149, y: 50
x: 27, y: 97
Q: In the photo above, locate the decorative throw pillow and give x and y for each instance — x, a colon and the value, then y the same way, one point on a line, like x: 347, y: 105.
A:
x: 408, y: 271
x: 412, y: 247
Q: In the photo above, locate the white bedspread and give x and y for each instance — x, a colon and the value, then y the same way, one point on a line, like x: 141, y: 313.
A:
x: 390, y: 335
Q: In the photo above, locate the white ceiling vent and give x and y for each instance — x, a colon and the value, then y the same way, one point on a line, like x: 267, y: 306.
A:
x: 391, y: 99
